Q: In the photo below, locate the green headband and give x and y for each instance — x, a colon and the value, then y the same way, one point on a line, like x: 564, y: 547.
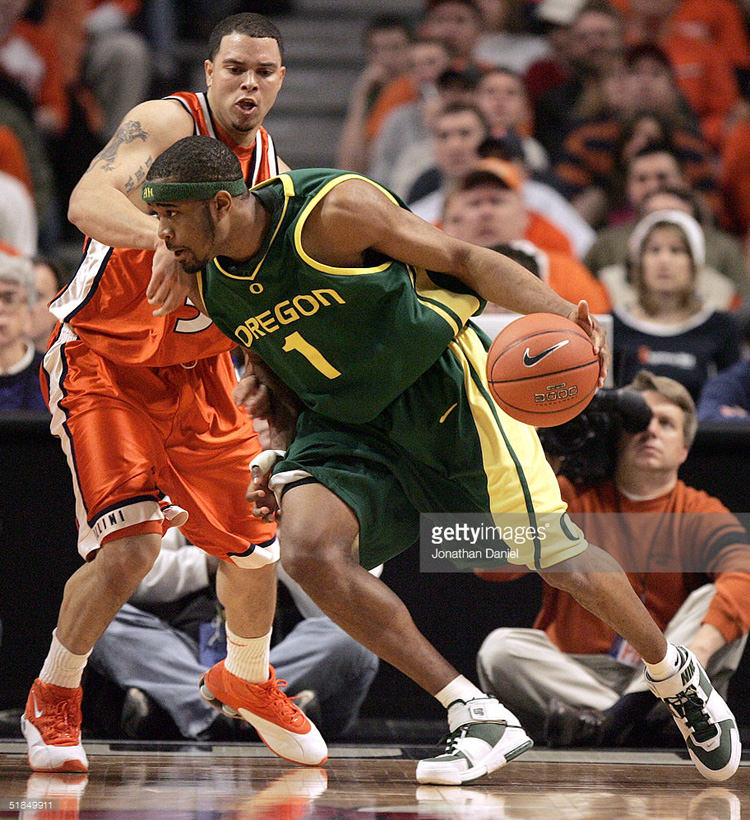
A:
x: 174, y: 191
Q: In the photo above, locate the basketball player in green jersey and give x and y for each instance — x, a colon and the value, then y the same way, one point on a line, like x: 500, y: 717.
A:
x: 363, y: 310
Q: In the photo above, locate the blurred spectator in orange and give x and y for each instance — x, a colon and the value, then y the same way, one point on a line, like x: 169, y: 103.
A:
x: 720, y: 23
x: 104, y: 52
x: 37, y: 106
x: 384, y: 84
x: 18, y: 220
x: 29, y: 55
x: 539, y: 193
x: 487, y: 208
x: 703, y: 69
x: 106, y: 70
x: 393, y: 160
x: 13, y: 158
x: 734, y: 177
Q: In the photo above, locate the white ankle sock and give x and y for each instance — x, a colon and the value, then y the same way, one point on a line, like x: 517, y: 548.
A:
x: 459, y: 688
x: 62, y: 667
x: 667, y: 666
x: 248, y: 657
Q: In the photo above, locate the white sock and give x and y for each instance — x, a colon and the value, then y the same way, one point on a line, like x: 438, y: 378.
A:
x: 666, y: 667
x: 459, y: 688
x: 62, y: 667
x: 248, y: 657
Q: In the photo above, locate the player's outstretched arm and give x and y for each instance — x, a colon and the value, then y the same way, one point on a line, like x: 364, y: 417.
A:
x: 357, y: 216
x: 106, y: 203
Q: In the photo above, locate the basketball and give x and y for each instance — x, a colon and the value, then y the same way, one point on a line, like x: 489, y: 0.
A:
x: 542, y: 369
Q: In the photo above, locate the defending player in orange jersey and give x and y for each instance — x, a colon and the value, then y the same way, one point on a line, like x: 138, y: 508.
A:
x: 141, y: 401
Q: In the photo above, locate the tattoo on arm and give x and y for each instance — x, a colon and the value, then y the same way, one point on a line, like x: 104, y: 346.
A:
x: 135, y: 179
x: 128, y: 132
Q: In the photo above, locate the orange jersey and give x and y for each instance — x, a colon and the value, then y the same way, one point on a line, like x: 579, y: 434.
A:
x: 105, y: 302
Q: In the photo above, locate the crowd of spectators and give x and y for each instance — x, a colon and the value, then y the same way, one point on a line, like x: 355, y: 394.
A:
x: 608, y: 111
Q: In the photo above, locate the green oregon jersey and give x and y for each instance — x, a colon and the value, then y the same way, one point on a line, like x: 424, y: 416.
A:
x: 348, y: 341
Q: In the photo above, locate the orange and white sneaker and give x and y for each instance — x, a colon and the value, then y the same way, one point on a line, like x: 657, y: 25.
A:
x: 51, y: 725
x: 282, y: 726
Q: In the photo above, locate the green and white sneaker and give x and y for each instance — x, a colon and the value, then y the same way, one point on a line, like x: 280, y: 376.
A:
x: 702, y: 716
x: 482, y: 736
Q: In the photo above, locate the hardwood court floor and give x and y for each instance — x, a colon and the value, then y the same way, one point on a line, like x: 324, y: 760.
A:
x: 179, y: 781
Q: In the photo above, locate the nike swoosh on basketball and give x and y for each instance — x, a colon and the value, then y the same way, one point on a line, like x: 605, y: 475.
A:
x: 37, y: 711
x: 530, y: 361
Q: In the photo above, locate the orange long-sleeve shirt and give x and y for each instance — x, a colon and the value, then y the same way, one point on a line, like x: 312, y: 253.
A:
x: 686, y: 528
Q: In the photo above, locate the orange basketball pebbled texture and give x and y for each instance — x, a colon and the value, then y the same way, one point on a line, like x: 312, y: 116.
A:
x: 542, y: 369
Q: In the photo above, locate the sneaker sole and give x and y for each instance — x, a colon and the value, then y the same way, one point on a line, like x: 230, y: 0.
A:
x: 69, y: 765
x: 495, y: 760
x: 263, y: 727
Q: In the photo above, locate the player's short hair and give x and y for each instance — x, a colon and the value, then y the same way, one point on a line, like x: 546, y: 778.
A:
x: 196, y: 159
x: 19, y: 271
x: 194, y: 168
x: 674, y: 392
x: 247, y: 23
x: 523, y: 252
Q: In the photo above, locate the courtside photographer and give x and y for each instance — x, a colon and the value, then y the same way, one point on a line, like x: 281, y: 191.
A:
x: 573, y: 680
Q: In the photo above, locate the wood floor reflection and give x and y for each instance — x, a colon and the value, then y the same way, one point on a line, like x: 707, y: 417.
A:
x: 148, y: 781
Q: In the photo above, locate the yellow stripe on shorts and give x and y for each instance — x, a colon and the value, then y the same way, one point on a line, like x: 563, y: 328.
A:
x: 521, y: 485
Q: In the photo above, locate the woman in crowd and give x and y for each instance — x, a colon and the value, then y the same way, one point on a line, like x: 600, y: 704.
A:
x: 666, y: 327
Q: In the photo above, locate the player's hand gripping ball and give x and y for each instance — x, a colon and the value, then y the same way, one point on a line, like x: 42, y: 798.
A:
x: 542, y: 369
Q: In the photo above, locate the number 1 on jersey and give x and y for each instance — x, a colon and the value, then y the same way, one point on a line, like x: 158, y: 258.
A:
x: 295, y: 342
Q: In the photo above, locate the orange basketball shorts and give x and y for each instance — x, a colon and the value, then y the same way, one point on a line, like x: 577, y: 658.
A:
x: 140, y: 440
